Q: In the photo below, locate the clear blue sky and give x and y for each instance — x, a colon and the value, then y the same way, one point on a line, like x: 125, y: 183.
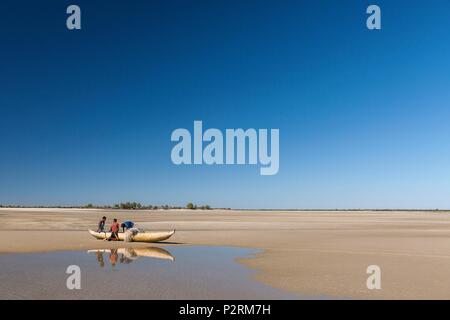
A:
x: 364, y: 116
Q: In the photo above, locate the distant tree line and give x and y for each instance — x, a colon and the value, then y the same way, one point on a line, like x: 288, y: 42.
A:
x: 139, y: 206
x: 192, y: 206
x: 121, y: 205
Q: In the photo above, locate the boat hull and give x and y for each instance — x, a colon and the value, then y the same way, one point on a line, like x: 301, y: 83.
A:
x: 133, y: 253
x: 140, y: 237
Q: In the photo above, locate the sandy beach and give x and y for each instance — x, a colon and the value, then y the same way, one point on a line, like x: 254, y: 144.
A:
x: 307, y: 253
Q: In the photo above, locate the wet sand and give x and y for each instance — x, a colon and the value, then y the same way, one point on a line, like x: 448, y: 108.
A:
x: 307, y: 253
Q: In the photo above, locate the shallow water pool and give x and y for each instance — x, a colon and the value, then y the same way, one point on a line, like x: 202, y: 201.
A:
x: 139, y: 273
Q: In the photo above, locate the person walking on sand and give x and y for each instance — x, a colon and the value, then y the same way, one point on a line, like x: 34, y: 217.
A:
x: 114, y: 231
x: 101, y: 225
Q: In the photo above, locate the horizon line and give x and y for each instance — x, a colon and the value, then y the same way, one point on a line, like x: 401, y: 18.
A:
x: 165, y: 207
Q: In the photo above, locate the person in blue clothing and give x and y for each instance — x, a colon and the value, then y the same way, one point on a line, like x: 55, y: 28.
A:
x: 127, y: 225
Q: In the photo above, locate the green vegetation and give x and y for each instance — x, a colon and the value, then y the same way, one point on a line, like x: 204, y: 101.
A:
x: 129, y: 205
x: 122, y: 206
x: 192, y: 206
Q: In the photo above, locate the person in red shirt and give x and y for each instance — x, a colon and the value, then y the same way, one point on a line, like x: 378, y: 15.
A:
x: 114, y: 231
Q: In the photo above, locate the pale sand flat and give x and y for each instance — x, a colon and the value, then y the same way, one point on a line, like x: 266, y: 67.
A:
x: 310, y: 253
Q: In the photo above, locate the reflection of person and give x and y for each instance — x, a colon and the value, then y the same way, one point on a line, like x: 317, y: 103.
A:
x: 113, y: 257
x: 100, y: 258
x: 114, y: 231
x: 101, y: 225
x: 125, y: 259
x: 127, y: 225
x: 130, y: 254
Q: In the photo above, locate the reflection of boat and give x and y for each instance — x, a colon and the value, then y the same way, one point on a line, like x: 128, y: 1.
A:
x: 140, y: 237
x: 157, y: 253
x: 134, y: 253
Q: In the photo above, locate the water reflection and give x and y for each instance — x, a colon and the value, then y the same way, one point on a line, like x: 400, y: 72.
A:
x: 128, y: 255
x: 200, y: 273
